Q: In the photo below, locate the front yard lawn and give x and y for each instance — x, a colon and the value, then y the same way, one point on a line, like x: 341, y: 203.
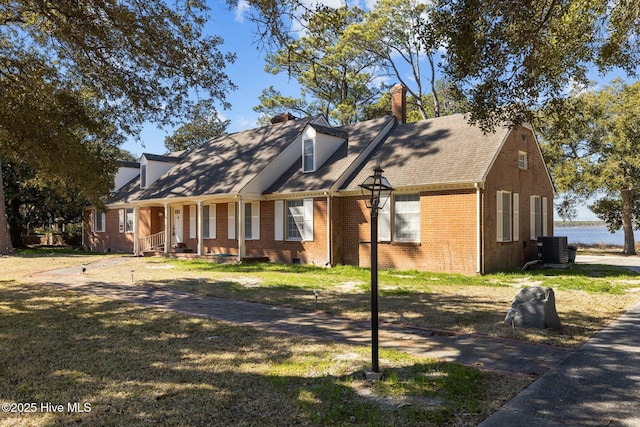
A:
x: 588, y: 297
x: 72, y: 359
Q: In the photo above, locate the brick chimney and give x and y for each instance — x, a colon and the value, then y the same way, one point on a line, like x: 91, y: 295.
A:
x: 399, y: 103
x: 282, y: 118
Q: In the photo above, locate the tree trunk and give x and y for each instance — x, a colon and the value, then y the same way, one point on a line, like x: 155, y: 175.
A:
x: 434, y: 92
x: 5, y: 240
x: 627, y: 223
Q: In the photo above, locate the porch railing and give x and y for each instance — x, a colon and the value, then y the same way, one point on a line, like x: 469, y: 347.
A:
x: 153, y: 241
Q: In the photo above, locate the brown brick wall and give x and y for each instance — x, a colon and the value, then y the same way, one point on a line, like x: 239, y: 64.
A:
x: 307, y: 252
x: 111, y: 240
x: 314, y: 252
x: 505, y: 175
x: 447, y: 235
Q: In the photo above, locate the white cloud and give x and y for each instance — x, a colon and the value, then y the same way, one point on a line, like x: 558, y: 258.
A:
x: 243, y: 6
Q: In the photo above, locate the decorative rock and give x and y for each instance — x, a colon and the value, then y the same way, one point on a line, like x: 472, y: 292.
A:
x: 533, y: 307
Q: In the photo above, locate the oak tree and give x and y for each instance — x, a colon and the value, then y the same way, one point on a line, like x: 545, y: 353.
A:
x: 336, y: 78
x: 77, y: 76
x: 595, y: 152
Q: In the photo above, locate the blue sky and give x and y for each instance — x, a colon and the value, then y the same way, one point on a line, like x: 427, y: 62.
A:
x: 247, y: 73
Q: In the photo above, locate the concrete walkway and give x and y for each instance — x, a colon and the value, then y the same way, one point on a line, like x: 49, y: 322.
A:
x: 596, y: 385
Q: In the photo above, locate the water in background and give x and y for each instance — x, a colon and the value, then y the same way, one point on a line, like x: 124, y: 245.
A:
x: 592, y: 235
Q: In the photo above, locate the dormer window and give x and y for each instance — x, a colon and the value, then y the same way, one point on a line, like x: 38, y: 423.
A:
x: 143, y: 176
x: 308, y: 155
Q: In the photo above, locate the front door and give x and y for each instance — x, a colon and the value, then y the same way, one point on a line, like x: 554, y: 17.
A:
x: 177, y: 232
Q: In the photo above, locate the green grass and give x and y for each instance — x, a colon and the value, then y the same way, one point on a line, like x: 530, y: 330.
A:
x: 137, y: 366
x: 589, y: 278
x: 587, y: 296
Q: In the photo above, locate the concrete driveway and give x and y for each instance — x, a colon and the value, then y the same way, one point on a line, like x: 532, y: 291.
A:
x: 630, y: 261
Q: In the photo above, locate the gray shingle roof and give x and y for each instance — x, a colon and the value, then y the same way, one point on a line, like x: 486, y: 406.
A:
x: 359, y: 136
x: 129, y: 192
x: 224, y: 165
x: 445, y: 150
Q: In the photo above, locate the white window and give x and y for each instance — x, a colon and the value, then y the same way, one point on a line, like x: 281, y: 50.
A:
x: 231, y: 225
x: 143, y: 176
x: 538, y: 215
x: 98, y: 221
x: 308, y: 155
x: 294, y: 220
x: 406, y: 219
x: 129, y: 224
x: 209, y: 221
x: 192, y: 221
x: 504, y: 216
x: 125, y: 220
x: 523, y: 162
x: 252, y: 221
x: 401, y: 214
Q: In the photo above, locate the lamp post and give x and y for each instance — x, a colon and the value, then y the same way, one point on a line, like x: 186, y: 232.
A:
x: 376, y: 190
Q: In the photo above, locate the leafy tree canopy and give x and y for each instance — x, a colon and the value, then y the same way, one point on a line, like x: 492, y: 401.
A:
x: 595, y: 151
x: 509, y: 57
x: 205, y: 125
x: 506, y: 58
x: 338, y: 77
x: 77, y: 76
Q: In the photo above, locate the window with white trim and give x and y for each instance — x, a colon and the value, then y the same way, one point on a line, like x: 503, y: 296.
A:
x: 535, y: 213
x: 406, y: 218
x: 538, y: 217
x: 308, y: 155
x: 209, y: 221
x: 399, y: 218
x: 125, y: 220
x: 252, y: 221
x: 294, y: 220
x: 504, y: 216
x: 98, y: 221
x: 143, y: 176
x: 523, y: 161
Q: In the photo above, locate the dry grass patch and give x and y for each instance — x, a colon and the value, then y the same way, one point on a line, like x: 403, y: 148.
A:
x: 137, y: 366
x: 587, y: 297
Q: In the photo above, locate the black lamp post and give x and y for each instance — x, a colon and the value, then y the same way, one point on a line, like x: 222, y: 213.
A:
x: 376, y: 189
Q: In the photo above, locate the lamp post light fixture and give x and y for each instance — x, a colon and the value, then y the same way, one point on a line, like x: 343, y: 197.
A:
x: 376, y: 190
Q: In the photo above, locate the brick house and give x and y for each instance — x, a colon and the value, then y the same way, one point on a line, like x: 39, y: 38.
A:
x: 463, y: 201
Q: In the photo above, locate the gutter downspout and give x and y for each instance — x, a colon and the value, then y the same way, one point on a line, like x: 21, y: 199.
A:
x: 478, y: 186
x: 329, y: 233
x: 83, y: 228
